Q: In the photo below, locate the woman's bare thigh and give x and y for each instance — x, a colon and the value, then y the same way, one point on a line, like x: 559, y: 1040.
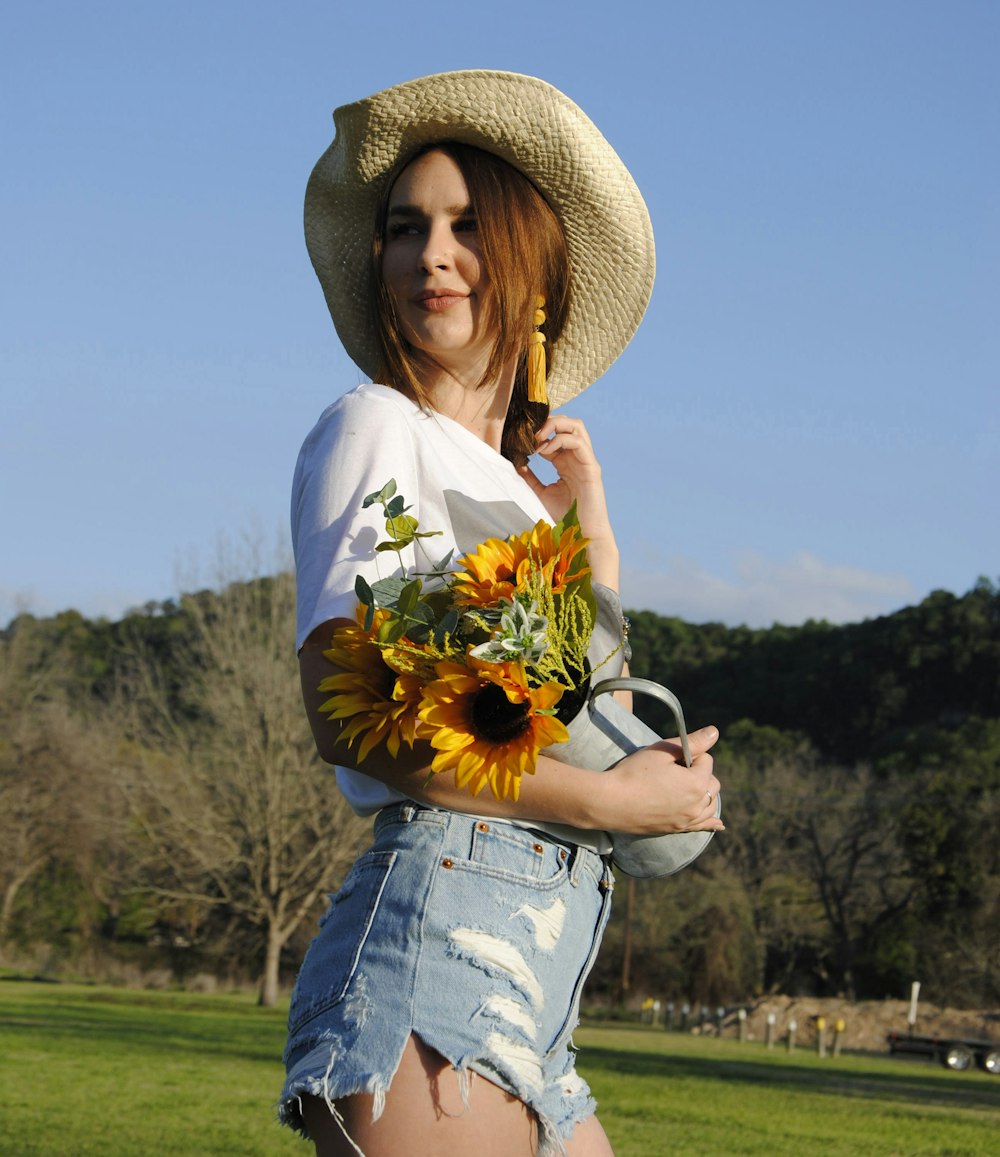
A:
x: 425, y: 1116
x: 589, y: 1140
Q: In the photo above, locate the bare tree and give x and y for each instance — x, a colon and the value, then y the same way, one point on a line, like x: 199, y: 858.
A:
x: 33, y: 777
x: 850, y: 850
x: 818, y: 849
x: 238, y: 811
x: 764, y: 772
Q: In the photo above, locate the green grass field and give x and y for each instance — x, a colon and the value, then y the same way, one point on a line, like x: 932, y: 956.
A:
x: 120, y: 1073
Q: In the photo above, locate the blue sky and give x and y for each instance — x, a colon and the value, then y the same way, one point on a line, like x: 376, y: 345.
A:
x: 805, y: 426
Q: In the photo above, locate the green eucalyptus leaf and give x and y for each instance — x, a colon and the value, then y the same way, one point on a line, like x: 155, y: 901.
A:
x: 404, y: 526
x: 382, y: 496
x: 408, y: 597
x: 438, y: 599
x: 422, y: 613
x: 442, y: 566
x: 394, y: 630
x: 388, y: 590
x: 419, y: 624
x: 447, y: 626
x: 363, y: 591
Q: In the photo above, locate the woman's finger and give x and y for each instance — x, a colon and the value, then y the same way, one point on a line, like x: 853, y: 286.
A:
x: 532, y: 479
x: 703, y: 739
x: 699, y: 742
x: 560, y: 424
x: 566, y: 441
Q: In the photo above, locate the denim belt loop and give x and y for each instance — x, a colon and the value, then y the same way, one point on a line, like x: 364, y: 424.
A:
x: 576, y: 865
x: 394, y: 813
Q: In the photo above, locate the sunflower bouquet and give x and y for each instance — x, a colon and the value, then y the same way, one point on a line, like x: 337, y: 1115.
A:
x: 479, y: 659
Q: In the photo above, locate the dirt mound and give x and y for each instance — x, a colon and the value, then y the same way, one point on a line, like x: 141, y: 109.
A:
x: 866, y: 1022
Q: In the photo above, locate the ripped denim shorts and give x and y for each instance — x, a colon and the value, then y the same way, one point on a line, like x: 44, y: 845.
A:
x: 474, y: 934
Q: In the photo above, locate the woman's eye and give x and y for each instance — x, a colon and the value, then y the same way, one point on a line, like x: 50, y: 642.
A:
x: 465, y: 225
x: 402, y: 229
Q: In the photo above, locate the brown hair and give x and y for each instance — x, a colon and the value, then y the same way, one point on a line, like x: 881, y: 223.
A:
x: 524, y: 254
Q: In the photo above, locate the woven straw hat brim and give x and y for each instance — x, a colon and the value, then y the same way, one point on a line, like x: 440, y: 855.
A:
x: 540, y: 131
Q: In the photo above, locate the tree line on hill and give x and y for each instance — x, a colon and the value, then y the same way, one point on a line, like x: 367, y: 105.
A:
x: 162, y: 805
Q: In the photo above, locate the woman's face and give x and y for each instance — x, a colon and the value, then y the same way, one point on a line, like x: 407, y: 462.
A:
x: 433, y: 269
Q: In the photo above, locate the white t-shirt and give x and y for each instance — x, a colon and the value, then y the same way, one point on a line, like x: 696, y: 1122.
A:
x: 452, y: 482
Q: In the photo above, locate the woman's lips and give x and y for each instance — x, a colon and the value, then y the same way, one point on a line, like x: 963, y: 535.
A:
x: 438, y: 302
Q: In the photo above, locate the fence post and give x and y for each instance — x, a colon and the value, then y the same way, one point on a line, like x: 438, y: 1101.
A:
x: 838, y: 1032
x: 792, y: 1026
x: 769, y: 1033
x: 911, y: 1017
x: 821, y: 1036
x: 670, y: 1015
x: 742, y: 1015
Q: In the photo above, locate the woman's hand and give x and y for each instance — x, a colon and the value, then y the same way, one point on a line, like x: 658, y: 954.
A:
x: 651, y: 792
x: 565, y: 443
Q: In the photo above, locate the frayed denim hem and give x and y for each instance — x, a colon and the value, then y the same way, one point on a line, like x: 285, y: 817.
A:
x: 314, y: 1076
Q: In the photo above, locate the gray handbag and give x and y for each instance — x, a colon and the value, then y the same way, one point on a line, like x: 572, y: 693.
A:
x: 603, y: 733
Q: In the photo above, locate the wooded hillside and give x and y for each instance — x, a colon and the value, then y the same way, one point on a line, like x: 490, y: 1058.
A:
x: 163, y: 813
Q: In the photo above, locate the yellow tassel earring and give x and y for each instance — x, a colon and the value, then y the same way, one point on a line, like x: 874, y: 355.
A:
x: 536, y: 356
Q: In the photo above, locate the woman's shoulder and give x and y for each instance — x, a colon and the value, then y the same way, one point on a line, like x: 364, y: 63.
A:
x: 367, y: 409
x: 370, y: 400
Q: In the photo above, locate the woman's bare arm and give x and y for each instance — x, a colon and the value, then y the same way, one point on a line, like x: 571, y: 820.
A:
x: 564, y: 442
x: 648, y: 792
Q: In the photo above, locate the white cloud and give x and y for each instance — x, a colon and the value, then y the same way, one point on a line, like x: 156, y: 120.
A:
x: 764, y: 591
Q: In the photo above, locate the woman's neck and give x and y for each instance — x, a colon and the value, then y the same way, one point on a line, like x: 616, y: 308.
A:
x: 482, y: 410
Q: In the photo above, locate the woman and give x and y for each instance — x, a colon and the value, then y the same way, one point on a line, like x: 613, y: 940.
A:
x: 433, y: 1010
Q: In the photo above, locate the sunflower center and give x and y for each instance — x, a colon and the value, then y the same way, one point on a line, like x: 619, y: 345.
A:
x: 388, y: 681
x: 497, y: 719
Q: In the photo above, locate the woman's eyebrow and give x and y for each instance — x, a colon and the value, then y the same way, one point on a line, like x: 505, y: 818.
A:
x: 416, y: 211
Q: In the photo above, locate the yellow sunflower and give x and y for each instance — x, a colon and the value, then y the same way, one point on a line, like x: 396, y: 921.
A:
x: 486, y: 724
x: 379, y: 701
x: 499, y: 568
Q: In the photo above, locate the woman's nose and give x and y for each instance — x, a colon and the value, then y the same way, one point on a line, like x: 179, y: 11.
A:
x: 438, y: 249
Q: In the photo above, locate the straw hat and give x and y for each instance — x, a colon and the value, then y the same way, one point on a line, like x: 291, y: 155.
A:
x: 537, y: 129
